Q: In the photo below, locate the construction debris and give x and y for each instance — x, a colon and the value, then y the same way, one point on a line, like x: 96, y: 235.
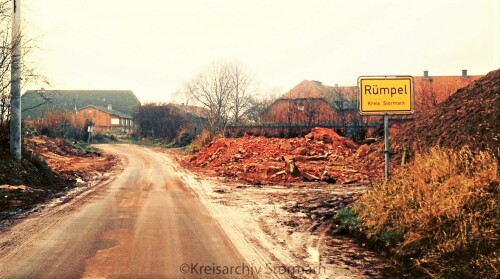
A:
x: 321, y: 155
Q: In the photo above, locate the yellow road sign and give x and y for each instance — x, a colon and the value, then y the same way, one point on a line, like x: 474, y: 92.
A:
x: 386, y: 95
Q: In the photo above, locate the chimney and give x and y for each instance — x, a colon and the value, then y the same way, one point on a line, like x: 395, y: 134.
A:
x: 464, y: 73
x: 110, y: 107
x: 426, y: 74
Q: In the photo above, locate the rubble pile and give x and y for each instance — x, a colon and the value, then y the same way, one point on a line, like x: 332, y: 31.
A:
x: 72, y: 164
x: 319, y: 156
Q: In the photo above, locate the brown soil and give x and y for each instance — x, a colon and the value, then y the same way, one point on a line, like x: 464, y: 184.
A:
x: 299, y: 216
x: 294, y: 222
x: 470, y: 117
x: 67, y: 161
x: 321, y: 155
x: 36, y: 183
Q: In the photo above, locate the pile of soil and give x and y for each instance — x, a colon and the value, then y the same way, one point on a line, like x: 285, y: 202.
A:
x: 48, y: 169
x: 470, y: 117
x: 34, y: 179
x: 68, y: 161
x: 320, y: 155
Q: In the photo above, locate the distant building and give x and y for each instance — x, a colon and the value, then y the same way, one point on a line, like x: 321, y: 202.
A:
x: 36, y: 103
x: 105, y: 119
x: 311, y: 102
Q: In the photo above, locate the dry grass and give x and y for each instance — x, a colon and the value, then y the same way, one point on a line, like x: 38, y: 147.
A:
x: 441, y: 214
x: 201, y: 140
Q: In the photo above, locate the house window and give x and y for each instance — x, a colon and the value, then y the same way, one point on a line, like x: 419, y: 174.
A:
x: 115, y: 121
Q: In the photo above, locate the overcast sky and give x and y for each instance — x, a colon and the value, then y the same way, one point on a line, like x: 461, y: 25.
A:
x: 153, y: 47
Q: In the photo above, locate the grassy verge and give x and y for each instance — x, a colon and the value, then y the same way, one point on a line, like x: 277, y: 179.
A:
x: 437, y: 217
x: 82, y: 147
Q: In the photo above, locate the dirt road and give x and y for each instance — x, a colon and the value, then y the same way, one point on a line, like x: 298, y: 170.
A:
x: 144, y: 223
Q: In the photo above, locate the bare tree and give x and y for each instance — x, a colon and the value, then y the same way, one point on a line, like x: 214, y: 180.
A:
x: 225, y: 90
x: 241, y: 93
x: 28, y: 73
x: 7, y: 46
x: 213, y: 89
x: 259, y: 105
x: 428, y: 98
x: 311, y: 111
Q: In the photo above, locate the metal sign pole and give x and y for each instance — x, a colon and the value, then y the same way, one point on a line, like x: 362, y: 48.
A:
x: 384, y: 95
x: 89, y: 130
x: 386, y: 145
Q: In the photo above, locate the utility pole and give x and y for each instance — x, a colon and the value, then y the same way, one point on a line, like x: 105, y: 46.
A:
x: 15, y: 86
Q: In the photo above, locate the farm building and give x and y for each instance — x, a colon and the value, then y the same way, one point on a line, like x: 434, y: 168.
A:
x: 36, y: 103
x: 105, y: 119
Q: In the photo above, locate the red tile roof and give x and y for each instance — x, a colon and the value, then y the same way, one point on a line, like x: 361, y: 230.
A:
x: 312, y: 89
x: 305, y: 89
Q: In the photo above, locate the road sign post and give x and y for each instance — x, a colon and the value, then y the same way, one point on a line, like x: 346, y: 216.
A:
x: 386, y: 146
x: 90, y: 130
x: 386, y: 95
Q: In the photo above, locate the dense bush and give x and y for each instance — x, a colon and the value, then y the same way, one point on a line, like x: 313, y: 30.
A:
x: 167, y: 123
x: 58, y: 124
x: 184, y: 138
x: 440, y: 214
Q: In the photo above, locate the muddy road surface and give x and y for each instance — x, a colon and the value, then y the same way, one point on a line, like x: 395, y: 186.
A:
x: 143, y: 223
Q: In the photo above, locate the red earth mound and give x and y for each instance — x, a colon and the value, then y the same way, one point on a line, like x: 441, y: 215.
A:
x: 320, y: 155
x: 67, y: 161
